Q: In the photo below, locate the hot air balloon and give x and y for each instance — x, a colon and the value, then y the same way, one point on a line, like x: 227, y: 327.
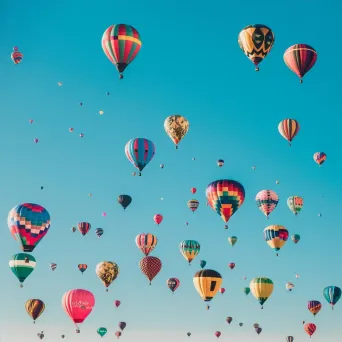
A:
x: 332, y: 294
x: 73, y: 229
x: 99, y: 232
x: 193, y: 205
x: 222, y: 290
x: 53, y: 266
x: 107, y: 271
x: 319, y: 158
x: 217, y: 334
x: 246, y: 290
x: 288, y: 129
x: 78, y: 304
x: 189, y: 249
x: 261, y: 289
x: 41, y: 335
x: 295, y: 203
x: 310, y: 328
x: 122, y: 325
x: 71, y: 129
x: 256, y: 325
x: 124, y: 200
x: 84, y: 227
x: 16, y: 56
x: 117, y: 303
x: 118, y: 334
x: 314, y: 306
x: 225, y: 197
x: 203, y: 263
x: 297, y: 276
x: 240, y: 324
x: 256, y: 42
x: 258, y: 330
x: 173, y: 284
x: 140, y: 152
x: 266, y: 201
x: 193, y: 190
x: 300, y: 58
x: 81, y: 135
x: 146, y: 242
x: 232, y: 240
x: 289, y: 339
x: 158, y: 219
x: 289, y: 286
x: 231, y: 265
x: 102, y: 331
x: 220, y: 162
x: 189, y: 334
x: 34, y: 307
x: 295, y: 238
x: 22, y: 265
x: 150, y: 266
x: 28, y: 224
x: 82, y: 267
x: 207, y: 283
x: 276, y: 236
x: 229, y: 320
x: 121, y: 44
x: 176, y: 127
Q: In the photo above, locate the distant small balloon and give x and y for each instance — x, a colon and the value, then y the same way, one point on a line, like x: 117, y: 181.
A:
x: 134, y: 173
x: 193, y: 159
x: 81, y: 135
x: 71, y: 129
x: 277, y: 182
x: 225, y: 226
x: 161, y: 198
x: 104, y: 214
x: 186, y: 223
x: 41, y: 188
x: 60, y: 84
x: 101, y: 112
x: 161, y: 166
x: 90, y: 194
x: 319, y: 215
x: 253, y: 167
x: 107, y: 93
x: 36, y: 140
x: 81, y: 104
x: 30, y: 121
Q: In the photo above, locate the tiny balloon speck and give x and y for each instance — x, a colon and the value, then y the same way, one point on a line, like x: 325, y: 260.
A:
x: 60, y: 84
x: 101, y: 112
x: 81, y: 135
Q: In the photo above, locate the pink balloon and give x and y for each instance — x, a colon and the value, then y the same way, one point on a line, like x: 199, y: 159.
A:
x: 36, y: 140
x: 158, y: 219
x: 30, y: 121
x: 104, y: 214
x: 15, y: 48
x: 117, y: 303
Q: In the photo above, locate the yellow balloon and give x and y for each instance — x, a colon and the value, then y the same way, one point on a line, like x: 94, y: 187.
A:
x: 276, y: 236
x: 176, y: 126
x: 261, y: 288
x: 107, y: 271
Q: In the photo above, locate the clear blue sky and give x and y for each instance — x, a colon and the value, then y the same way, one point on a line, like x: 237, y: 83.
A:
x: 190, y: 63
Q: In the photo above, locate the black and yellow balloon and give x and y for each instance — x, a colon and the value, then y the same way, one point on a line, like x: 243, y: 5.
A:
x: 256, y: 42
x: 107, y: 271
x: 207, y: 283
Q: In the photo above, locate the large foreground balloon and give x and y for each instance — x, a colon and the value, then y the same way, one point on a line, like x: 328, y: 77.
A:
x: 78, y: 304
x: 22, y: 265
x: 121, y: 44
x: 107, y: 271
x: 176, y: 127
x: 207, y: 283
x: 140, y: 152
x: 319, y: 158
x: 256, y: 42
x: 310, y: 328
x: 28, y: 224
x: 314, y: 306
x: 146, y: 242
x: 266, y: 201
x: 35, y: 307
x: 189, y: 249
x: 124, y: 200
x: 288, y: 129
x: 300, y: 58
x: 225, y: 196
x: 332, y: 294
x: 276, y: 236
x: 261, y: 289
x: 150, y: 266
x: 16, y: 56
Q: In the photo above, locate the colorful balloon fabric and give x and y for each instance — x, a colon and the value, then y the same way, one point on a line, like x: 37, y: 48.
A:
x: 288, y: 129
x: 261, y: 289
x: 78, y: 304
x: 176, y: 127
x: 295, y: 204
x: 99, y: 232
x: 140, y: 152
x: 332, y: 294
x: 107, y: 271
x: 173, y: 284
x: 53, y: 266
x: 158, y: 219
x: 289, y: 286
x: 231, y: 265
x: 276, y: 236
x: 300, y: 58
x: 193, y: 205
x: 314, y: 306
x: 35, y: 307
x: 220, y: 162
x: 207, y: 283
x: 225, y: 196
x: 319, y: 158
x: 256, y: 42
x: 266, y: 201
x: 295, y: 238
x: 150, y: 266
x: 121, y: 44
x: 229, y: 320
x: 16, y: 56
x: 102, y: 331
x: 28, y: 224
x: 146, y: 242
x: 118, y: 334
x: 84, y: 227
x: 82, y: 267
x: 310, y: 328
x: 189, y: 249
x: 232, y: 240
x: 124, y: 200
x: 22, y: 265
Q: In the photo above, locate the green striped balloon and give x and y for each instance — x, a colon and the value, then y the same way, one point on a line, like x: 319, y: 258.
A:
x: 22, y: 265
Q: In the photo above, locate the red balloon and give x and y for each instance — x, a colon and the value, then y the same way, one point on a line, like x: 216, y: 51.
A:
x: 84, y: 227
x: 193, y: 190
x: 118, y: 334
x: 222, y: 290
x: 158, y: 219
x: 117, y: 303
x: 231, y: 265
x: 310, y: 328
x: 218, y: 334
x: 78, y: 304
x: 150, y: 266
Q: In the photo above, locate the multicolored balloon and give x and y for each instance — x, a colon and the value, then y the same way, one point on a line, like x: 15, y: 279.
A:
x: 28, y: 224
x: 121, y: 44
x: 217, y: 334
x: 220, y: 162
x: 176, y: 127
x: 225, y: 196
x: 232, y: 240
x: 53, y: 266
x: 288, y: 129
x: 35, y: 307
x: 150, y: 266
x: 146, y: 242
x: 231, y: 265
x: 266, y: 201
x: 229, y: 320
x: 300, y: 58
x: 22, y: 265
x: 189, y: 249
x: 107, y: 272
x: 261, y: 288
x: 314, y: 306
x: 256, y: 42
x: 310, y: 328
x: 16, y: 56
x: 295, y: 238
x: 99, y: 232
x: 193, y: 205
x: 332, y: 294
x: 289, y: 286
x: 173, y: 284
x: 82, y: 267
x: 319, y: 158
x: 276, y: 236
x: 295, y: 204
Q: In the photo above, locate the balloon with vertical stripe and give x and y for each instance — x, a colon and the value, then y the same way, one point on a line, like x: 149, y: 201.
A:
x: 288, y: 129
x: 332, y: 294
x: 261, y: 288
x: 189, y: 249
x: 295, y: 204
x: 35, y: 307
x: 266, y: 201
x: 319, y: 158
x: 314, y: 306
x: 276, y: 236
x: 310, y: 328
x: 146, y: 242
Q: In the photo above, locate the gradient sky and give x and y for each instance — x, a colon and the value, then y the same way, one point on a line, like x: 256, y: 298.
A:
x: 190, y: 64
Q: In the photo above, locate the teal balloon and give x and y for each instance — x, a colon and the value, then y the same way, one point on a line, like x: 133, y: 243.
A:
x: 203, y: 263
x: 22, y: 265
x: 295, y: 238
x: 102, y: 331
x: 332, y: 294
